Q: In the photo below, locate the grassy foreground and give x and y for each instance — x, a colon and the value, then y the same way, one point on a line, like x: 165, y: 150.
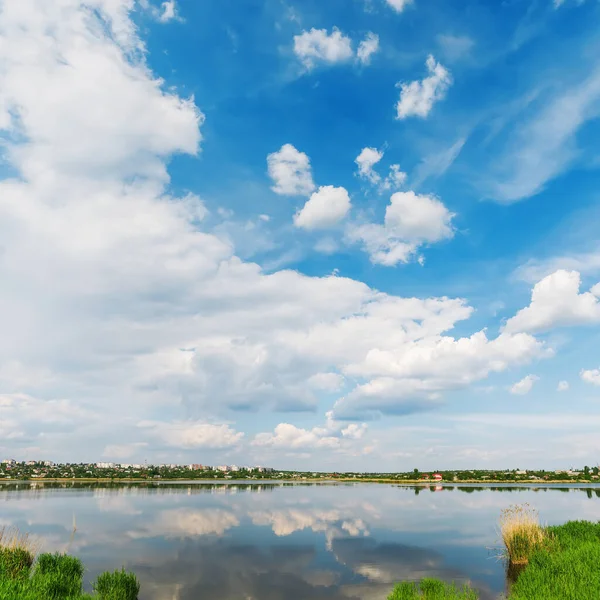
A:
x: 25, y: 576
x: 554, y: 563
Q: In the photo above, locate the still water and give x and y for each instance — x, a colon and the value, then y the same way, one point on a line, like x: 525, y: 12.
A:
x: 288, y: 542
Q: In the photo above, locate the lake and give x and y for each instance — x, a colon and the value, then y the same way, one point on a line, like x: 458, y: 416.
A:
x: 280, y: 541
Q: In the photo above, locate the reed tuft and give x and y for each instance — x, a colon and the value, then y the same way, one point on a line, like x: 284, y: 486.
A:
x: 521, y: 533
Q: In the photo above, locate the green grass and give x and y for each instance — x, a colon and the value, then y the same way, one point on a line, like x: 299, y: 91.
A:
x: 432, y: 589
x: 54, y: 576
x: 567, y: 568
x: 117, y: 586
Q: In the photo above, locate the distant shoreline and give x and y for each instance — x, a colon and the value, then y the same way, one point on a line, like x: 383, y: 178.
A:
x: 421, y: 482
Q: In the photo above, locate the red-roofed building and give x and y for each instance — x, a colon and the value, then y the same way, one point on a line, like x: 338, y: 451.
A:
x: 437, y: 477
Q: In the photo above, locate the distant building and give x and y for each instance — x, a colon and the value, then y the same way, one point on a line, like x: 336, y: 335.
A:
x: 223, y: 468
x: 105, y: 465
x: 196, y: 467
x: 9, y: 461
x: 437, y: 477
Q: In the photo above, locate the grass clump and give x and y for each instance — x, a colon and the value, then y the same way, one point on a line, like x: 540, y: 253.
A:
x: 117, y: 586
x: 58, y: 575
x: 17, y: 553
x: 53, y: 576
x: 432, y: 589
x: 521, y: 533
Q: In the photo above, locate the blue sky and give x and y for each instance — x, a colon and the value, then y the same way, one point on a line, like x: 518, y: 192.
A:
x: 359, y: 234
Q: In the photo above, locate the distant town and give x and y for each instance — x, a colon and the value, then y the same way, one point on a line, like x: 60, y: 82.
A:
x: 44, y: 469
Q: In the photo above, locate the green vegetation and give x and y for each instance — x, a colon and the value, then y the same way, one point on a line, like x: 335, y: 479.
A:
x: 432, y: 589
x: 565, y: 567
x: 556, y: 563
x: 53, y: 576
x: 521, y: 533
x: 117, y: 586
x: 47, y: 470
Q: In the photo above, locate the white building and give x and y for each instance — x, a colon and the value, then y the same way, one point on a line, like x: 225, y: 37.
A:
x: 105, y: 465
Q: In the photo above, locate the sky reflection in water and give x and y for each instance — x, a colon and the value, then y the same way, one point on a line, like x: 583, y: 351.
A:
x: 271, y: 542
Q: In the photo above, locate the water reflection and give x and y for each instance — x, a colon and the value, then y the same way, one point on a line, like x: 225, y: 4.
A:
x: 270, y: 541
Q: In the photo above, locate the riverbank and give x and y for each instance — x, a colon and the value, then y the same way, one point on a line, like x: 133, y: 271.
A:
x: 562, y: 564
x: 249, y: 481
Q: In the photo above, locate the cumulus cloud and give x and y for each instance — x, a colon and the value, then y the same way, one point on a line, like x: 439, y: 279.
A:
x: 396, y: 179
x: 290, y: 171
x: 398, y: 5
x: 193, y: 434
x: 523, y: 387
x: 411, y: 220
x: 167, y: 11
x: 592, y: 376
x: 418, y: 97
x: 556, y: 302
x: 411, y: 378
x: 366, y: 160
x: 563, y: 386
x: 325, y: 208
x: 317, y: 45
x: 334, y: 435
x: 368, y: 47
x: 291, y: 437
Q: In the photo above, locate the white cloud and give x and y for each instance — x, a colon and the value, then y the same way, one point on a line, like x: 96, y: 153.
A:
x: 326, y: 381
x: 411, y: 220
x: 524, y: 386
x: 291, y: 437
x: 563, y: 386
x: 366, y: 160
x: 317, y: 45
x: 290, y: 171
x: 399, y: 5
x: 411, y: 377
x: 193, y: 434
x: 354, y: 431
x: 325, y: 208
x: 556, y: 302
x: 168, y: 11
x: 418, y: 97
x: 592, y: 376
x: 396, y: 179
x: 368, y: 47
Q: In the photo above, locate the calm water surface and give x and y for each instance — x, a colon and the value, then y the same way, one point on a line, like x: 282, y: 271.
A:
x: 272, y: 542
